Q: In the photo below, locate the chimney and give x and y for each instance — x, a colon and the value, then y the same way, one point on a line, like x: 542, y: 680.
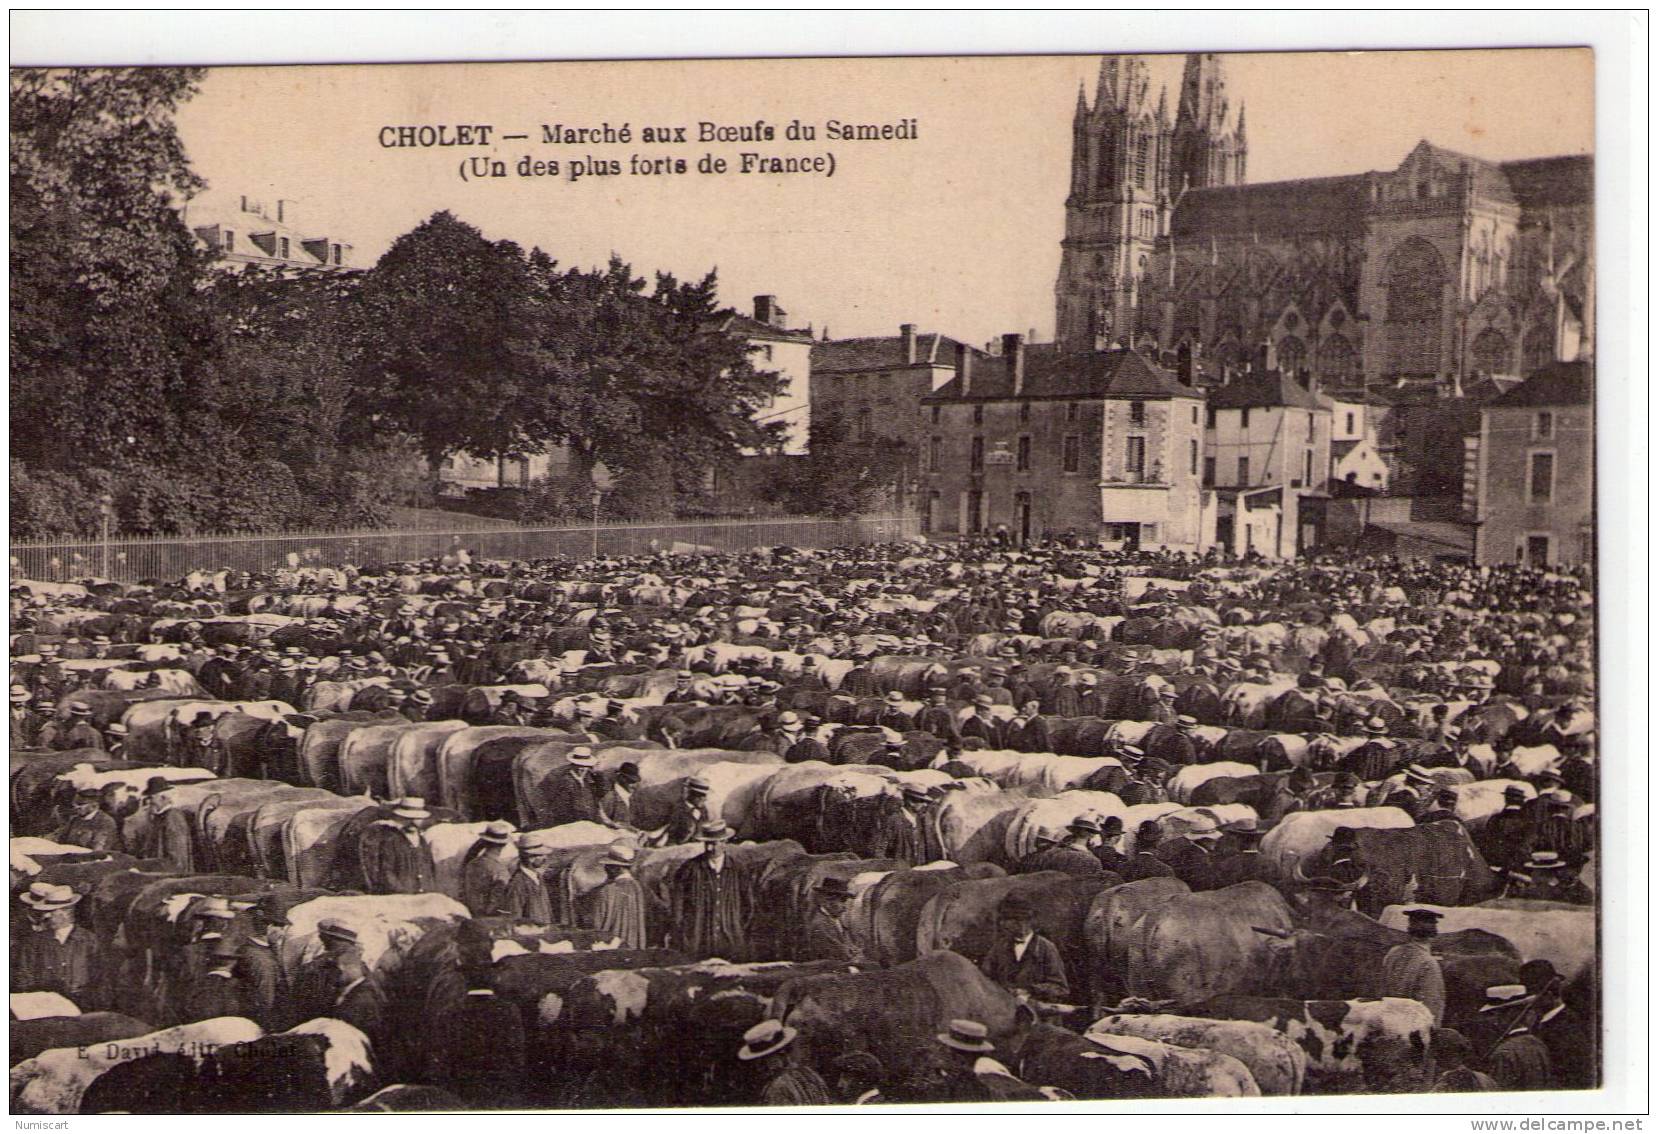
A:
x: 964, y: 367
x: 1013, y: 352
x: 765, y: 310
x: 281, y: 211
x: 1183, y: 364
x: 907, y: 333
x: 1309, y: 380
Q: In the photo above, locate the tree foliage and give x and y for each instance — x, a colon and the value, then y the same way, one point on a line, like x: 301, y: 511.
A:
x: 842, y: 476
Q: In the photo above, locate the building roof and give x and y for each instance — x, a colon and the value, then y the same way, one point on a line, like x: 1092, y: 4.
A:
x: 1051, y: 372
x: 885, y: 353
x: 1452, y: 537
x: 1489, y: 178
x: 1339, y: 449
x: 1266, y: 389
x: 1558, y: 384
x: 1542, y: 182
x: 1273, y: 208
x: 733, y: 323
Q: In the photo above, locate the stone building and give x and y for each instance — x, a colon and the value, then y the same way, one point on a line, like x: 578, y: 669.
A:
x: 1446, y: 267
x: 1535, y: 471
x: 775, y: 347
x: 1044, y: 441
x: 1267, y: 455
x: 246, y: 231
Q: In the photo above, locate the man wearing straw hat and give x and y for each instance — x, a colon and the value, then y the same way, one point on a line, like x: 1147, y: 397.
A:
x: 525, y: 898
x: 616, y: 907
x: 708, y: 900
x: 771, y: 1047
x: 53, y: 954
x: 485, y: 871
x: 398, y: 859
x: 571, y: 794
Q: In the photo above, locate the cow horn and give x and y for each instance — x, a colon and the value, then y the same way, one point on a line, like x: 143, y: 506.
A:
x: 1280, y: 934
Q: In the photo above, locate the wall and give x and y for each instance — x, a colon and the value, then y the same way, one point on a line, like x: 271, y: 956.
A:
x: 1275, y: 441
x: 892, y: 397
x: 1507, y: 440
x: 792, y: 361
x: 1060, y: 501
x: 1172, y: 429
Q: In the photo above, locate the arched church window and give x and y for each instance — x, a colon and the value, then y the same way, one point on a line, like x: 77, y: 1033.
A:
x: 1292, y: 354
x: 1489, y: 352
x: 1536, y: 350
x: 1414, y: 278
x: 1337, y: 360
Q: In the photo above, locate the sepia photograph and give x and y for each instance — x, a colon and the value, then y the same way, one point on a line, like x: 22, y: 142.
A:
x: 997, y: 579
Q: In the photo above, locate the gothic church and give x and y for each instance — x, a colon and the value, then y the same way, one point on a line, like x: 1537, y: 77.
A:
x: 1443, y: 269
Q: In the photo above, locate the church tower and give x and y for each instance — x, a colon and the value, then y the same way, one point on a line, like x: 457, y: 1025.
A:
x: 1207, y: 153
x: 1117, y: 207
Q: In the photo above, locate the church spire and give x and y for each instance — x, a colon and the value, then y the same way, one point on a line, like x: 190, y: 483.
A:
x: 1205, y: 154
x: 1082, y: 100
x: 1241, y: 135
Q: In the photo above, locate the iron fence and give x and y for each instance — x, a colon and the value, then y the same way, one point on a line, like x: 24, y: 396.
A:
x: 129, y: 558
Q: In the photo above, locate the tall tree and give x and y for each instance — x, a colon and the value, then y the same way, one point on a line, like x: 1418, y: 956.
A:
x: 106, y: 336
x: 449, y: 353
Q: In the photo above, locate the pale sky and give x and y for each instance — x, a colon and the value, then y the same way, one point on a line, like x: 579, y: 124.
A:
x: 957, y: 232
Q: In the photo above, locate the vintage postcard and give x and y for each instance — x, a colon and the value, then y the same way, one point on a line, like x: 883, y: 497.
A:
x: 805, y: 582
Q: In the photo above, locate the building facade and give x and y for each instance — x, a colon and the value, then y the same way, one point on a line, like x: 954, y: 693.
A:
x: 1041, y: 441
x: 774, y: 347
x: 1535, y: 461
x: 1267, y: 455
x: 1444, y: 268
x: 248, y: 232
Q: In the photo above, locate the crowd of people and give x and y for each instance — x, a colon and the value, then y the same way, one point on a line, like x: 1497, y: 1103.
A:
x: 614, y: 739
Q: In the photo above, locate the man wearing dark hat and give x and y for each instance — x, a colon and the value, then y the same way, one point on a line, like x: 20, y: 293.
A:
x: 1444, y: 808
x: 319, y: 981
x: 90, y: 826
x: 220, y: 677
x: 1106, y: 851
x: 1571, y: 1042
x: 616, y: 907
x: 1338, y: 796
x: 1410, y: 969
x: 827, y: 938
x: 168, y: 835
x: 1027, y: 731
x: 812, y: 744
x: 910, y: 840
x: 1453, y: 1058
x: 708, y: 901
x: 690, y: 813
x: 510, y: 711
x: 772, y: 1047
x: 22, y: 720
x: 51, y: 733
x: 571, y: 794
x: 264, y: 987
x: 1244, y: 862
x: 1506, y: 841
x: 1022, y: 960
x: 1073, y: 854
x: 936, y: 716
x: 616, y: 805
x: 1145, y: 863
x: 858, y: 1079
x: 983, y: 727
x: 216, y: 992
x: 485, y: 871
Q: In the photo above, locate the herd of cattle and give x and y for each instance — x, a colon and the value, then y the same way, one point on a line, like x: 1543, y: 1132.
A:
x: 1216, y: 789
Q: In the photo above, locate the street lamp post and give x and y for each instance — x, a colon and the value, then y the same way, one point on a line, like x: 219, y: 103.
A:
x: 598, y: 495
x: 106, y: 512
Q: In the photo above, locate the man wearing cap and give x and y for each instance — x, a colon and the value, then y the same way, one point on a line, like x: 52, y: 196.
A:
x: 90, y: 826
x: 525, y: 898
x: 616, y: 805
x: 1410, y: 969
x: 1022, y: 960
x: 708, y: 900
x: 54, y: 954
x: 936, y: 717
x: 827, y: 938
x: 571, y: 794
x: 616, y: 907
x: 1072, y: 854
x: 778, y: 1061
x: 395, y: 854
x: 983, y: 727
x: 485, y: 871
